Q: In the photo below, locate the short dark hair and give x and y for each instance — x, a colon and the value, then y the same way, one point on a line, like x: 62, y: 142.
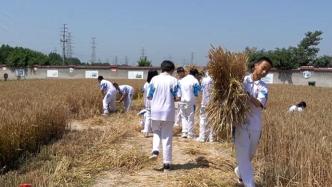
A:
x: 194, y: 72
x: 179, y: 69
x: 167, y: 66
x: 302, y: 104
x: 100, y: 77
x: 264, y: 58
x: 151, y: 74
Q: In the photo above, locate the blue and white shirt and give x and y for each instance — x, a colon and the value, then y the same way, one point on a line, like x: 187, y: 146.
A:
x: 162, y: 90
x: 107, y: 87
x: 126, y: 89
x: 259, y: 90
x: 206, y: 87
x: 190, y: 89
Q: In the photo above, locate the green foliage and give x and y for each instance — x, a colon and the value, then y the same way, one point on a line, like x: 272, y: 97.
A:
x: 323, y: 61
x: 307, y: 51
x: 293, y: 57
x: 144, y: 62
x: 54, y: 59
x: 73, y: 61
x: 23, y: 57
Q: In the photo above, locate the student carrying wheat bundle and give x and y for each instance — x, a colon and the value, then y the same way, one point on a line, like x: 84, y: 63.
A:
x: 237, y: 102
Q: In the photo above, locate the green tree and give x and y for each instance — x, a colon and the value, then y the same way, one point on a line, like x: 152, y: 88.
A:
x: 307, y: 49
x: 73, y: 61
x: 143, y: 61
x: 4, y: 52
x: 54, y: 59
x: 323, y: 61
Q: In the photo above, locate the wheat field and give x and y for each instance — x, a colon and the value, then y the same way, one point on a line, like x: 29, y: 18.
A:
x: 295, y: 148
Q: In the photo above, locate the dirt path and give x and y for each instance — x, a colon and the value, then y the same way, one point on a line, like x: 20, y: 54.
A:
x: 194, y: 163
x: 189, y: 157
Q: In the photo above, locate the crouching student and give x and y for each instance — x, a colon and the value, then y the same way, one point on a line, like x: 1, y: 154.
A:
x: 163, y: 91
x: 109, y: 92
x: 247, y: 135
x: 127, y: 93
x: 299, y: 107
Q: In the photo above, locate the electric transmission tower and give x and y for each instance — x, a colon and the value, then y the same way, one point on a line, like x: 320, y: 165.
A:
x: 63, y: 41
x: 93, y: 47
x: 192, y: 58
x: 69, y: 45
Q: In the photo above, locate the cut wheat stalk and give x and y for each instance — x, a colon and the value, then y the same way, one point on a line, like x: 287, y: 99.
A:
x: 228, y: 104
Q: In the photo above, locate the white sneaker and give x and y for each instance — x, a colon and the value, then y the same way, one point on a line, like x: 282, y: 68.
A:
x: 105, y: 114
x: 200, y: 139
x: 237, y: 173
x: 184, y: 135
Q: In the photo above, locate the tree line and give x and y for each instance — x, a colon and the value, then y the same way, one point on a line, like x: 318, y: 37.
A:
x: 23, y: 57
x: 304, y: 54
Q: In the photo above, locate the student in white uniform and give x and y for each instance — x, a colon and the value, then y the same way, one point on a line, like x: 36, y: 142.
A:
x: 190, y: 88
x: 127, y: 93
x: 109, y: 92
x: 180, y: 74
x: 299, y: 107
x: 147, y: 115
x: 206, y: 88
x: 163, y: 91
x: 247, y: 135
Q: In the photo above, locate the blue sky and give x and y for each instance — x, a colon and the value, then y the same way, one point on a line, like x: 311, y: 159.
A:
x: 165, y: 29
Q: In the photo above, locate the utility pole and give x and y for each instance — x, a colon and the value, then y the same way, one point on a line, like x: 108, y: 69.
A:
x: 64, y: 41
x: 116, y: 60
x: 93, y: 47
x: 192, y: 58
x: 126, y: 60
x: 143, y: 53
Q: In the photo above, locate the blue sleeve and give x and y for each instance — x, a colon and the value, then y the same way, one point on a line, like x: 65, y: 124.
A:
x: 175, y: 90
x: 196, y: 88
x: 151, y: 91
x: 103, y: 86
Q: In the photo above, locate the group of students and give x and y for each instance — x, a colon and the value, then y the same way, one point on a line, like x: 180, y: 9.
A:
x: 162, y: 91
x: 110, y: 91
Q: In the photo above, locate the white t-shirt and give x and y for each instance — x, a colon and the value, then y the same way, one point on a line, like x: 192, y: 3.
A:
x: 162, y: 90
x: 107, y: 87
x: 259, y: 90
x: 126, y: 89
x: 190, y: 88
x: 206, y: 87
x: 294, y: 108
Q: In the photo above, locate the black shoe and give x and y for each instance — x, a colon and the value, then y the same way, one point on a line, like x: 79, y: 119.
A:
x: 167, y: 167
x: 154, y: 155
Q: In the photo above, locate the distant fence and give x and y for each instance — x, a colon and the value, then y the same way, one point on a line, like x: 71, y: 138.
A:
x: 303, y: 76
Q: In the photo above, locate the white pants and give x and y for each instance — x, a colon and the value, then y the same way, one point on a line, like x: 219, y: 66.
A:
x: 246, y: 141
x: 187, y: 116
x: 109, y: 103
x: 127, y: 102
x: 162, y: 132
x: 147, y: 121
x: 203, y: 129
x: 177, y: 114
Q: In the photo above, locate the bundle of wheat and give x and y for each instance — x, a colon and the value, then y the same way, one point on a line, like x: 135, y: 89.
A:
x: 228, y: 104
